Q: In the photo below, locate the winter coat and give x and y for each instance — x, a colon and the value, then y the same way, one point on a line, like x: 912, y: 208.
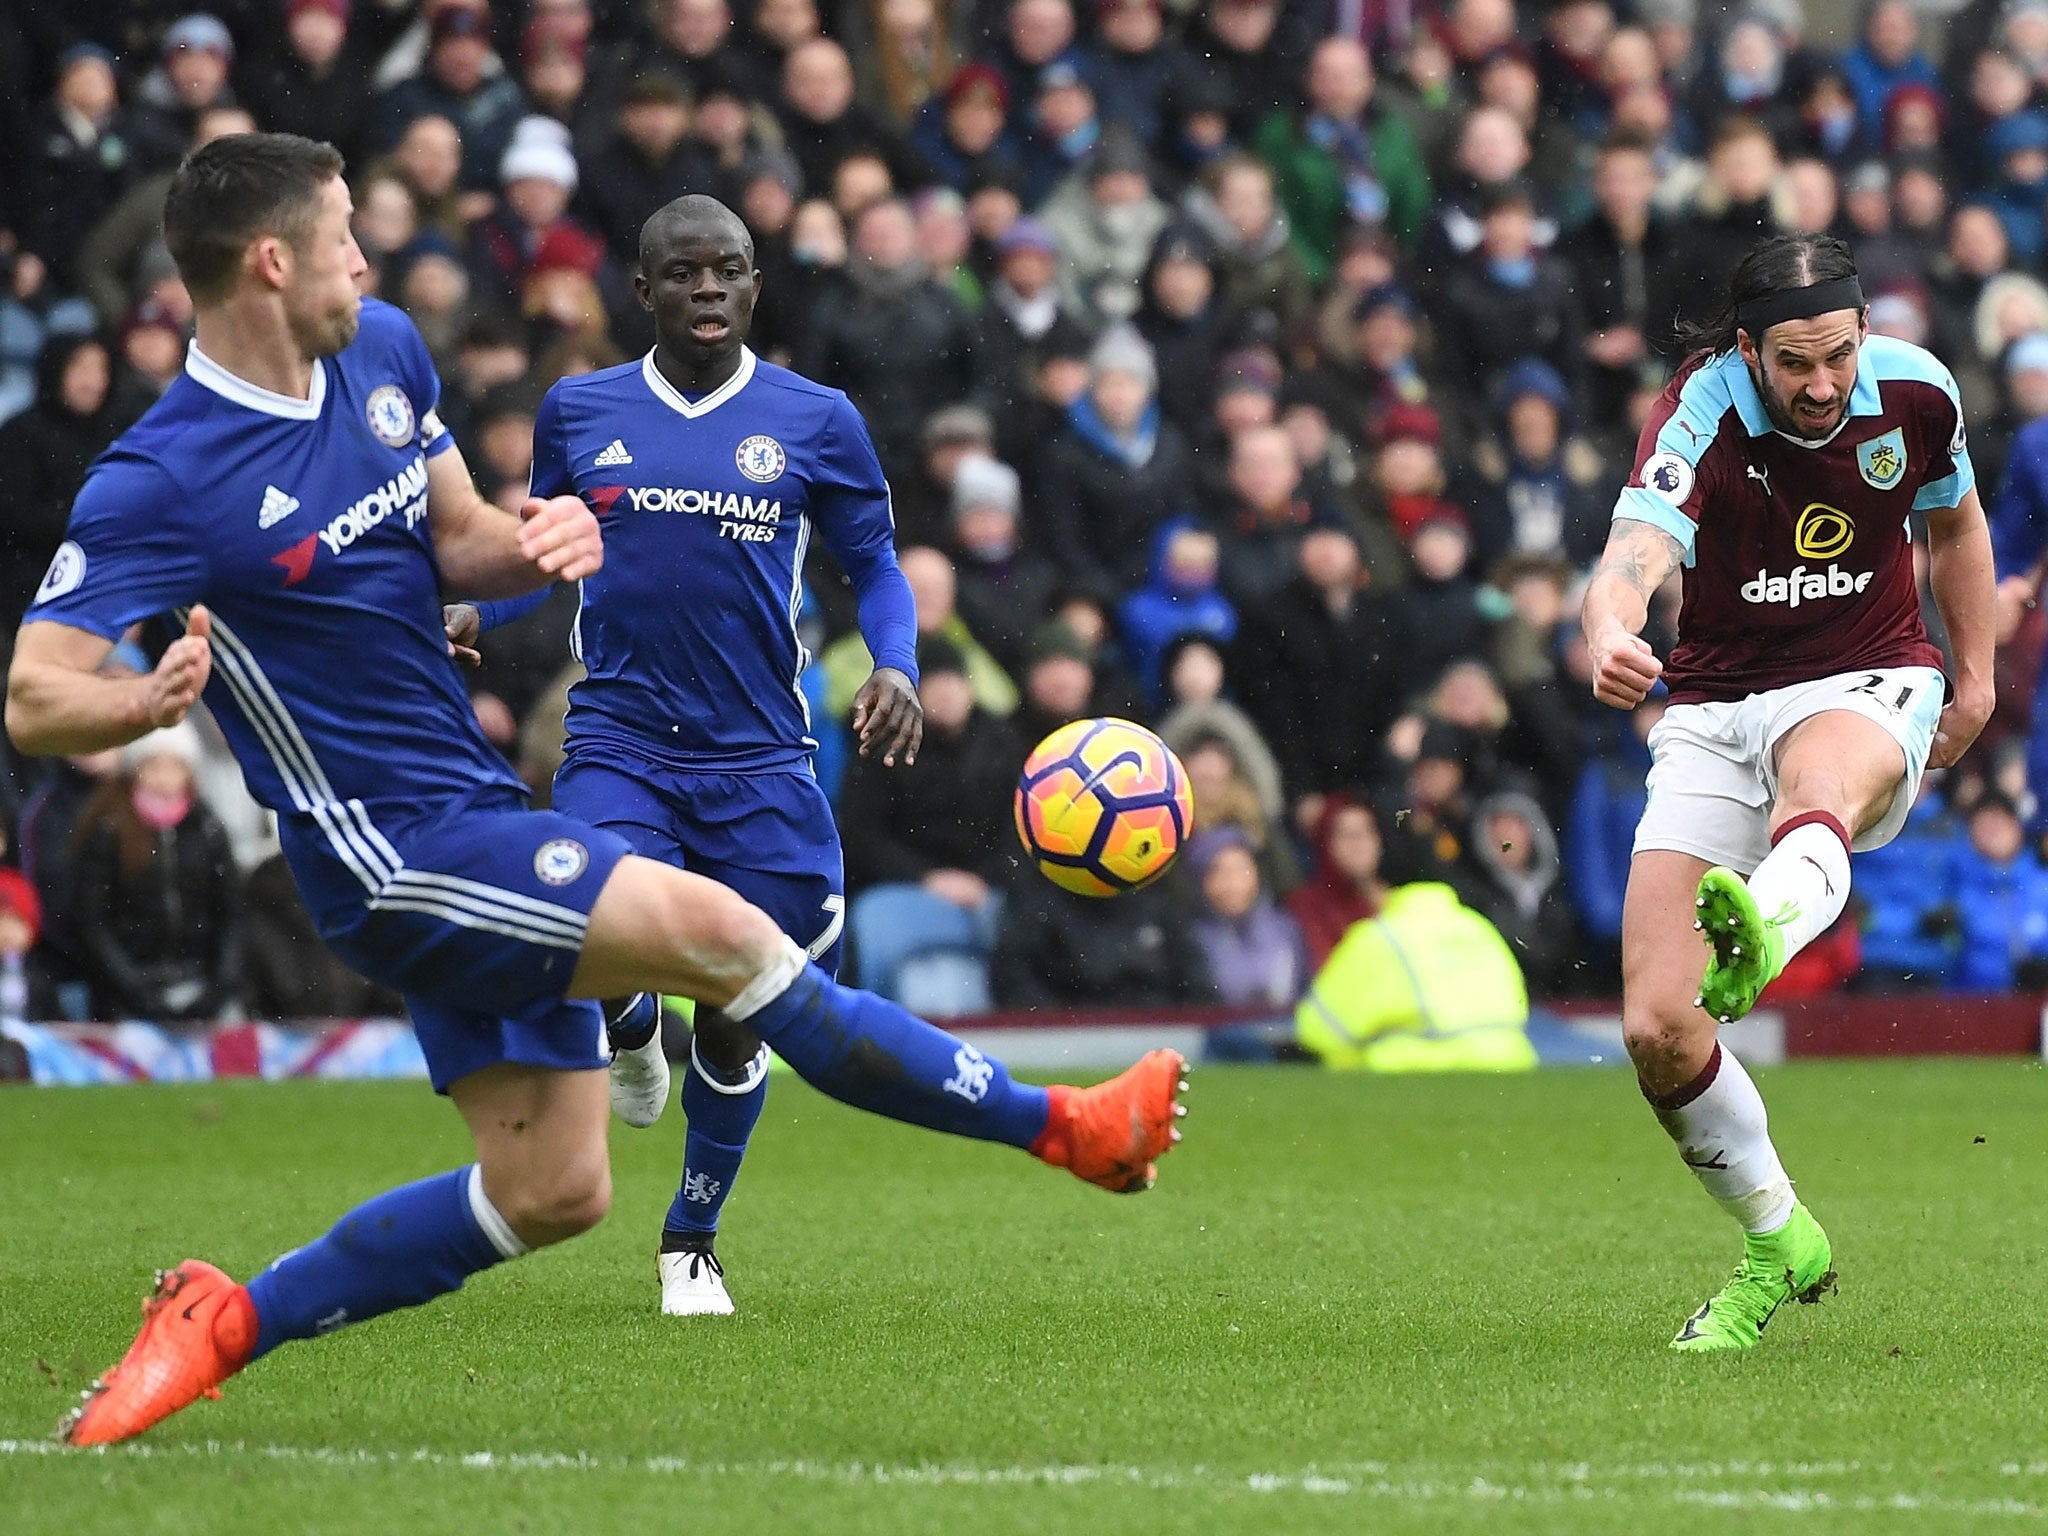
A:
x: 1187, y: 724
x: 1439, y: 622
x: 1256, y: 960
x: 1327, y: 904
x: 862, y: 344
x: 1426, y: 986
x: 286, y: 97
x: 1600, y: 834
x: 1003, y: 601
x: 1485, y: 326
x: 950, y: 809
x: 2002, y: 913
x: 65, y: 186
x: 45, y: 451
x: 1057, y: 950
x: 1319, y: 685
x: 1099, y: 499
x: 1159, y: 613
x: 1530, y: 907
x: 1262, y: 274
x: 619, y: 187
x: 1103, y: 252
x: 164, y: 942
x: 1312, y: 182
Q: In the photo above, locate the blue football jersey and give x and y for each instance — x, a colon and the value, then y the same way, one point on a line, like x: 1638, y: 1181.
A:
x: 689, y: 633
x: 302, y: 525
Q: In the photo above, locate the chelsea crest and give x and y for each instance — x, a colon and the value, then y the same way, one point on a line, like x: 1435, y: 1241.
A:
x: 390, y: 416
x: 761, y: 459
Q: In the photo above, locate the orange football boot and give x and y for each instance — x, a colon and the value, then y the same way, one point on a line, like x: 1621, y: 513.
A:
x: 1109, y: 1134
x: 198, y: 1329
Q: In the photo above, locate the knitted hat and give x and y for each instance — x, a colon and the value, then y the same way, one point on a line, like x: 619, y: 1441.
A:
x: 981, y: 481
x: 1123, y: 350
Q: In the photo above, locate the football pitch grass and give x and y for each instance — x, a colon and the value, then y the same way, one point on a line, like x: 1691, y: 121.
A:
x: 1351, y: 1305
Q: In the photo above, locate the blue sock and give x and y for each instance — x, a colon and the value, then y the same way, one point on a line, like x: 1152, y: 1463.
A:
x: 407, y: 1246
x: 722, y: 1117
x: 634, y: 1025
x: 867, y: 1052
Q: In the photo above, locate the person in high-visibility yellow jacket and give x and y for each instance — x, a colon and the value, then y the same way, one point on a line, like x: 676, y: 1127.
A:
x: 1428, y: 985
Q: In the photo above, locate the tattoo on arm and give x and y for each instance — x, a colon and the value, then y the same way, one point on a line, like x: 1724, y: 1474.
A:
x: 1640, y: 555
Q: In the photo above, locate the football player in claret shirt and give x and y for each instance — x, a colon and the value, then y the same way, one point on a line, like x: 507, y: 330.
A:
x: 1779, y: 470
x: 689, y: 736
x: 294, y: 502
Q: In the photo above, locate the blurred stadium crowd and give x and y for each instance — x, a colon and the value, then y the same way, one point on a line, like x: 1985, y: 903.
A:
x: 1260, y: 369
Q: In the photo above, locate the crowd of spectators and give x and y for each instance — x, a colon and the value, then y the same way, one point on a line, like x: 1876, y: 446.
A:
x: 1260, y: 369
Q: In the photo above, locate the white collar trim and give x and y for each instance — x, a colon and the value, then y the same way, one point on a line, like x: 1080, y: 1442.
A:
x: 203, y: 370
x: 668, y: 395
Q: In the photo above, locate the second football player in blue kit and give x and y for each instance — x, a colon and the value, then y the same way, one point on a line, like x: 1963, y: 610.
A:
x: 689, y: 735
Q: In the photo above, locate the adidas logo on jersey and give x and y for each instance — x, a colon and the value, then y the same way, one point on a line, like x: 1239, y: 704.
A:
x: 1804, y: 586
x: 276, y: 508
x: 614, y: 455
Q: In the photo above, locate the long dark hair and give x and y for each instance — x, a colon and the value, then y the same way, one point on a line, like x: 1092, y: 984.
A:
x: 1772, y: 266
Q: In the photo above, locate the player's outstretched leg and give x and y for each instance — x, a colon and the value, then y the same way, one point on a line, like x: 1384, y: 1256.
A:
x: 668, y: 930
x: 1710, y: 1108
x: 725, y: 1087
x: 540, y: 1141
x: 1752, y: 928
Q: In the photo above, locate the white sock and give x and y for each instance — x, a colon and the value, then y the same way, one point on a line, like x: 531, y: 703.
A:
x: 1724, y: 1135
x: 1803, y: 884
x: 495, y: 1226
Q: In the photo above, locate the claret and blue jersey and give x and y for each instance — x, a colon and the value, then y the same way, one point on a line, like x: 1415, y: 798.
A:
x: 689, y: 633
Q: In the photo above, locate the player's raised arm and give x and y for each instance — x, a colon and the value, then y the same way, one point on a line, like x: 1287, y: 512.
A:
x: 487, y: 552
x: 61, y: 699
x: 1638, y: 560
x: 1961, y: 574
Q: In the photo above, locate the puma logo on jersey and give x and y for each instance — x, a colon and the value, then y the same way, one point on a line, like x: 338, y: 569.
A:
x: 614, y: 455
x: 1803, y: 586
x: 275, y: 509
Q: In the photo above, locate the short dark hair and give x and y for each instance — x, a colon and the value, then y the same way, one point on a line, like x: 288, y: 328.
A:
x: 232, y: 191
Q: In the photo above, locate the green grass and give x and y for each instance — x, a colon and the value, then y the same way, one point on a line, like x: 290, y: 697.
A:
x: 1351, y: 1306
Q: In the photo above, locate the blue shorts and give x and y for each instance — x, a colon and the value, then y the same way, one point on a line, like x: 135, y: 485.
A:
x: 476, y: 913
x: 769, y: 836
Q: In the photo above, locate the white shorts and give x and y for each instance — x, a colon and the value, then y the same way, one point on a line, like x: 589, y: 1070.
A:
x: 1713, y: 771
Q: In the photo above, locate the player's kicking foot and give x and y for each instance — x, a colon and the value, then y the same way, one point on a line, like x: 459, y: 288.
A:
x: 1748, y: 949
x: 639, y: 1080
x: 692, y: 1279
x: 198, y: 1329
x: 1793, y: 1263
x: 1112, y: 1133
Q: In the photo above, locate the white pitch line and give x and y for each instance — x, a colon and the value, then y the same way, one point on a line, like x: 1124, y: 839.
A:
x: 1570, y: 1482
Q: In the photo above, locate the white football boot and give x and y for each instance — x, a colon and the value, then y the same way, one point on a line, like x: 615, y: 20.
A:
x: 693, y: 1285
x: 639, y: 1080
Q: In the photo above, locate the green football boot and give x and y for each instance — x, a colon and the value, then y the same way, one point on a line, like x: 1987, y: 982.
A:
x: 1793, y: 1263
x: 1748, y: 950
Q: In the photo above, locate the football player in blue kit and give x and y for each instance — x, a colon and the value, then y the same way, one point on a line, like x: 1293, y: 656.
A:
x: 294, y: 505
x: 689, y: 735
